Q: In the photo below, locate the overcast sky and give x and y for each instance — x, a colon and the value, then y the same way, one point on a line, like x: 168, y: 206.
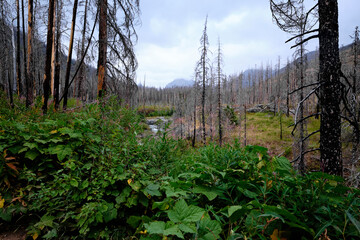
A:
x: 169, y: 37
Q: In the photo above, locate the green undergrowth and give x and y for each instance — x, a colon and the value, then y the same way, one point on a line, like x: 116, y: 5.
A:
x: 89, y: 175
x: 155, y: 111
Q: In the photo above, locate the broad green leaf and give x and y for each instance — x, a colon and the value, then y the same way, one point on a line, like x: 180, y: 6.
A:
x: 163, y: 205
x: 30, y: 145
x: 233, y: 209
x: 51, y: 234
x: 153, y: 190
x: 155, y: 227
x: 189, y: 175
x: 209, y: 229
x: 124, y: 195
x: 281, y: 164
x: 173, y: 230
x: 61, y: 151
x: 110, y: 214
x: 46, y: 221
x: 172, y: 192
x: 135, y: 185
x: 188, y: 227
x: 211, y: 195
x: 31, y: 154
x: 184, y: 213
x: 74, y: 182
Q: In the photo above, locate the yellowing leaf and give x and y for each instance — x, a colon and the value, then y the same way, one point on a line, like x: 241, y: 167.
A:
x: 129, y: 181
x: 35, y: 236
x: 53, y: 131
x: 2, y: 202
x: 332, y: 183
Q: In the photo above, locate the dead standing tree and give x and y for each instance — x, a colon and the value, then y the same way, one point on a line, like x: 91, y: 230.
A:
x: 68, y: 64
x: 202, y: 65
x: 117, y: 61
x: 329, y: 86
x: 29, y: 62
x: 291, y: 17
x: 49, y: 37
x: 219, y: 77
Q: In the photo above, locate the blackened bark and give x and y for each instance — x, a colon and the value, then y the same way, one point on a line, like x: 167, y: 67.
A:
x: 288, y: 89
x: 82, y: 73
x: 330, y: 93
x: 101, y: 88
x: 10, y: 91
x: 57, y: 58
x: 194, y: 131
x: 24, y: 45
x: 18, y: 68
x: 47, y: 77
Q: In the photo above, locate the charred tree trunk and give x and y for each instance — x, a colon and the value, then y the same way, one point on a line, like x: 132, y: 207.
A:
x: 219, y: 74
x: 288, y: 89
x: 194, y: 118
x: 330, y: 91
x: 30, y: 69
x: 57, y: 56
x: 82, y: 74
x: 68, y: 64
x: 24, y: 45
x: 47, y: 77
x: 18, y: 63
x: 10, y: 90
x: 101, y: 88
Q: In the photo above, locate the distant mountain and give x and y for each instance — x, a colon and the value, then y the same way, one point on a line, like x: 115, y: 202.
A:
x: 180, y: 82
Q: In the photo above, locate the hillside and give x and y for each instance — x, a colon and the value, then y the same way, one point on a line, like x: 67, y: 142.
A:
x: 180, y: 82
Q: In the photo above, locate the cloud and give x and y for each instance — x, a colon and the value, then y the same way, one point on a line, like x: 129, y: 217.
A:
x: 169, y: 38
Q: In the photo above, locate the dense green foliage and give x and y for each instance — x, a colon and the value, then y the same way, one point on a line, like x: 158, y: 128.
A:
x: 88, y: 174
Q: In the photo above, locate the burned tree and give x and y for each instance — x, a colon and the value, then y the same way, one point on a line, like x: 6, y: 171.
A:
x: 203, y: 67
x: 49, y: 37
x: 329, y: 87
x: 291, y: 17
x: 219, y: 76
x: 68, y: 65
x: 29, y: 62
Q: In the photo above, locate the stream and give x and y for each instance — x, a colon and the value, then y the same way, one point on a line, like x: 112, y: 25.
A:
x: 157, y: 124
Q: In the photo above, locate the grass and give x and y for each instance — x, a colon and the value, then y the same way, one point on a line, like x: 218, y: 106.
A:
x: 264, y: 129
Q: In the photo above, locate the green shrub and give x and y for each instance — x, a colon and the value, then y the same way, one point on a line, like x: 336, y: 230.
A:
x: 88, y: 175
